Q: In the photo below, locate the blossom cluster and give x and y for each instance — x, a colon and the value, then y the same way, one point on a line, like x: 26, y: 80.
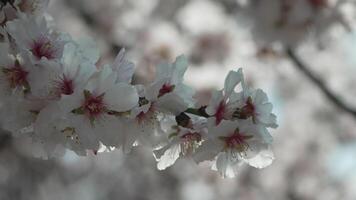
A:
x: 53, y: 91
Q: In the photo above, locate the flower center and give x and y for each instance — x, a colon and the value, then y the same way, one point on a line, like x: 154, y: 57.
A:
x: 189, y: 142
x: 94, y: 105
x: 148, y: 116
x: 237, y: 141
x: 43, y: 48
x: 191, y: 136
x: 220, y: 112
x: 247, y: 111
x: 166, y: 88
x: 66, y: 86
x: 16, y: 76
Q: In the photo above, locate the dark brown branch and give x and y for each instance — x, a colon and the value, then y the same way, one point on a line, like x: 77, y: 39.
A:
x: 319, y: 83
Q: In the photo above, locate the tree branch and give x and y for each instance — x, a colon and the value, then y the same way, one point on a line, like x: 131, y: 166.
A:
x: 298, y: 63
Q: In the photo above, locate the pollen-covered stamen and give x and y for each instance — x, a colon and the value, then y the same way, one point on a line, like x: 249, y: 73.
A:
x: 16, y: 75
x: 189, y: 142
x: 247, y: 111
x: 93, y: 107
x: 148, y: 116
x: 70, y: 133
x: 237, y: 141
x: 220, y: 112
x: 166, y: 88
x: 43, y: 47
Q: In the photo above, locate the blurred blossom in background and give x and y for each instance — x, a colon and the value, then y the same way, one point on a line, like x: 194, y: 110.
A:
x: 315, y: 145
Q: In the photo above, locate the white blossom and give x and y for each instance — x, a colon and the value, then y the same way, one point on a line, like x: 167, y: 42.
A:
x: 232, y: 142
x: 34, y: 38
x: 183, y: 141
x: 90, y: 114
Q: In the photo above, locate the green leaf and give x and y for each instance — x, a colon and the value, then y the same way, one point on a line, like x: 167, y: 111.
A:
x: 78, y: 111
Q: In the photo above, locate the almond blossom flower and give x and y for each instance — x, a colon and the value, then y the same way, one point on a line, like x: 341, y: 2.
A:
x: 50, y: 80
x: 13, y: 73
x: 143, y: 125
x: 226, y: 104
x: 168, y: 92
x: 232, y: 142
x: 91, y: 114
x: 34, y: 38
x: 76, y: 70
x: 254, y: 104
x: 223, y: 102
x: 166, y: 96
x: 183, y: 142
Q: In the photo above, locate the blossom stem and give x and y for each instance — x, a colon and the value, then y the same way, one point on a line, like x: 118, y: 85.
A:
x: 198, y: 111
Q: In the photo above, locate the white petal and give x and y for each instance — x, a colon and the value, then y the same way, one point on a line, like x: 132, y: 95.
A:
x: 123, y: 68
x: 121, y: 97
x: 232, y: 79
x: 88, y: 48
x: 169, y: 157
x: 180, y: 66
x: 109, y: 131
x: 207, y: 151
x: 225, y: 166
x: 260, y: 97
x: 215, y: 100
x: 171, y: 103
x: 262, y: 160
x: 130, y: 135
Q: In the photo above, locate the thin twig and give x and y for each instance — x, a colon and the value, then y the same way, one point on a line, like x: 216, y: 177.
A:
x: 319, y: 83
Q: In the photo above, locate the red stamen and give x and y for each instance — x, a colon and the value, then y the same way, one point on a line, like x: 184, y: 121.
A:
x: 16, y: 76
x: 248, y: 110
x: 166, y: 88
x: 220, y: 111
x: 189, y: 137
x: 142, y: 116
x: 43, y: 48
x: 66, y: 86
x: 236, y: 141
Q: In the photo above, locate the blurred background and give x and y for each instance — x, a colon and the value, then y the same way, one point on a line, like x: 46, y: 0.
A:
x: 301, y: 52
